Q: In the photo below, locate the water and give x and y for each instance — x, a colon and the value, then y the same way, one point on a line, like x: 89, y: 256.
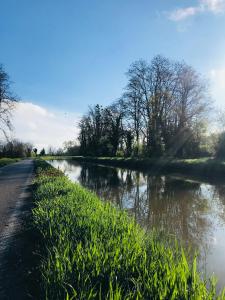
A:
x: 192, y: 211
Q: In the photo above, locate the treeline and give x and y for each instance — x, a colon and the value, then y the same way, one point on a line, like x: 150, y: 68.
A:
x: 161, y: 112
x: 16, y: 149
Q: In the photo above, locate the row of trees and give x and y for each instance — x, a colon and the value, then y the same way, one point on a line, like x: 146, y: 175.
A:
x: 162, y: 112
x: 10, y: 147
x: 16, y: 148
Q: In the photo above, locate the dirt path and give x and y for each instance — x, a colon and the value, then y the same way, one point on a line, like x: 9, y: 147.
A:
x: 15, y: 237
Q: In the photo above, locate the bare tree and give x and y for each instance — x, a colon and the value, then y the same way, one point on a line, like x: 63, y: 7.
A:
x: 7, y: 102
x: 161, y: 110
x: 192, y: 104
x: 15, y: 148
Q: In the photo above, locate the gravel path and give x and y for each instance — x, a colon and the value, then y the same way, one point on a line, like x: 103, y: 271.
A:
x: 15, y: 207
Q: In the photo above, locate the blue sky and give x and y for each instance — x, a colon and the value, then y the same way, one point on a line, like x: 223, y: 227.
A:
x: 66, y: 55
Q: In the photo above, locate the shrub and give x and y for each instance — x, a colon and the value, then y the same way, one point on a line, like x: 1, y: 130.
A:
x: 220, y: 148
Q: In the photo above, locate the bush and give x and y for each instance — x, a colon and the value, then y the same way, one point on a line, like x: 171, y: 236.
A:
x: 220, y: 148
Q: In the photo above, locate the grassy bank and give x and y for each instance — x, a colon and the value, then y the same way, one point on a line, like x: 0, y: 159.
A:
x: 208, y: 167
x: 92, y: 250
x: 7, y: 161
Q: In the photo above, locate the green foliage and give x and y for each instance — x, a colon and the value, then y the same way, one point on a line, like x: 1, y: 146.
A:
x: 220, y: 148
x: 15, y: 148
x: 100, y: 131
x: 7, y: 161
x: 119, y: 153
x: 42, y: 152
x: 92, y: 250
x: 71, y: 148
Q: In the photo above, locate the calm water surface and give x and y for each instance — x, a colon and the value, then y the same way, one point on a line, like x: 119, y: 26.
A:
x: 192, y: 211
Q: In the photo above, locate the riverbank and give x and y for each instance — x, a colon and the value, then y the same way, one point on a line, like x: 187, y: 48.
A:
x: 7, y: 161
x: 91, y: 250
x: 207, y: 167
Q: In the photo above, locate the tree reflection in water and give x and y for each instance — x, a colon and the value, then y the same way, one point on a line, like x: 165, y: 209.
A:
x: 168, y: 204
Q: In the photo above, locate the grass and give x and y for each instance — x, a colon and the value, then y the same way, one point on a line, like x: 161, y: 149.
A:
x: 50, y: 157
x: 7, y: 161
x: 92, y: 250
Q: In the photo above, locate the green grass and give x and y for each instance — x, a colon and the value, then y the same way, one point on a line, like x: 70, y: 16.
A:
x: 50, y: 157
x: 7, y: 161
x: 92, y: 250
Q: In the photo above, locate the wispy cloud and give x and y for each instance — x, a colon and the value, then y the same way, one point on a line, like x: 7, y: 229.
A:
x: 183, y: 13
x: 212, y: 6
x: 42, y: 127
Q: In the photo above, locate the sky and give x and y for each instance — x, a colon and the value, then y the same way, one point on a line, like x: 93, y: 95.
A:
x: 63, y: 56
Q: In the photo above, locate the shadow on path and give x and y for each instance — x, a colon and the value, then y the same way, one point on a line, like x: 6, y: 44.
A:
x: 17, y: 239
